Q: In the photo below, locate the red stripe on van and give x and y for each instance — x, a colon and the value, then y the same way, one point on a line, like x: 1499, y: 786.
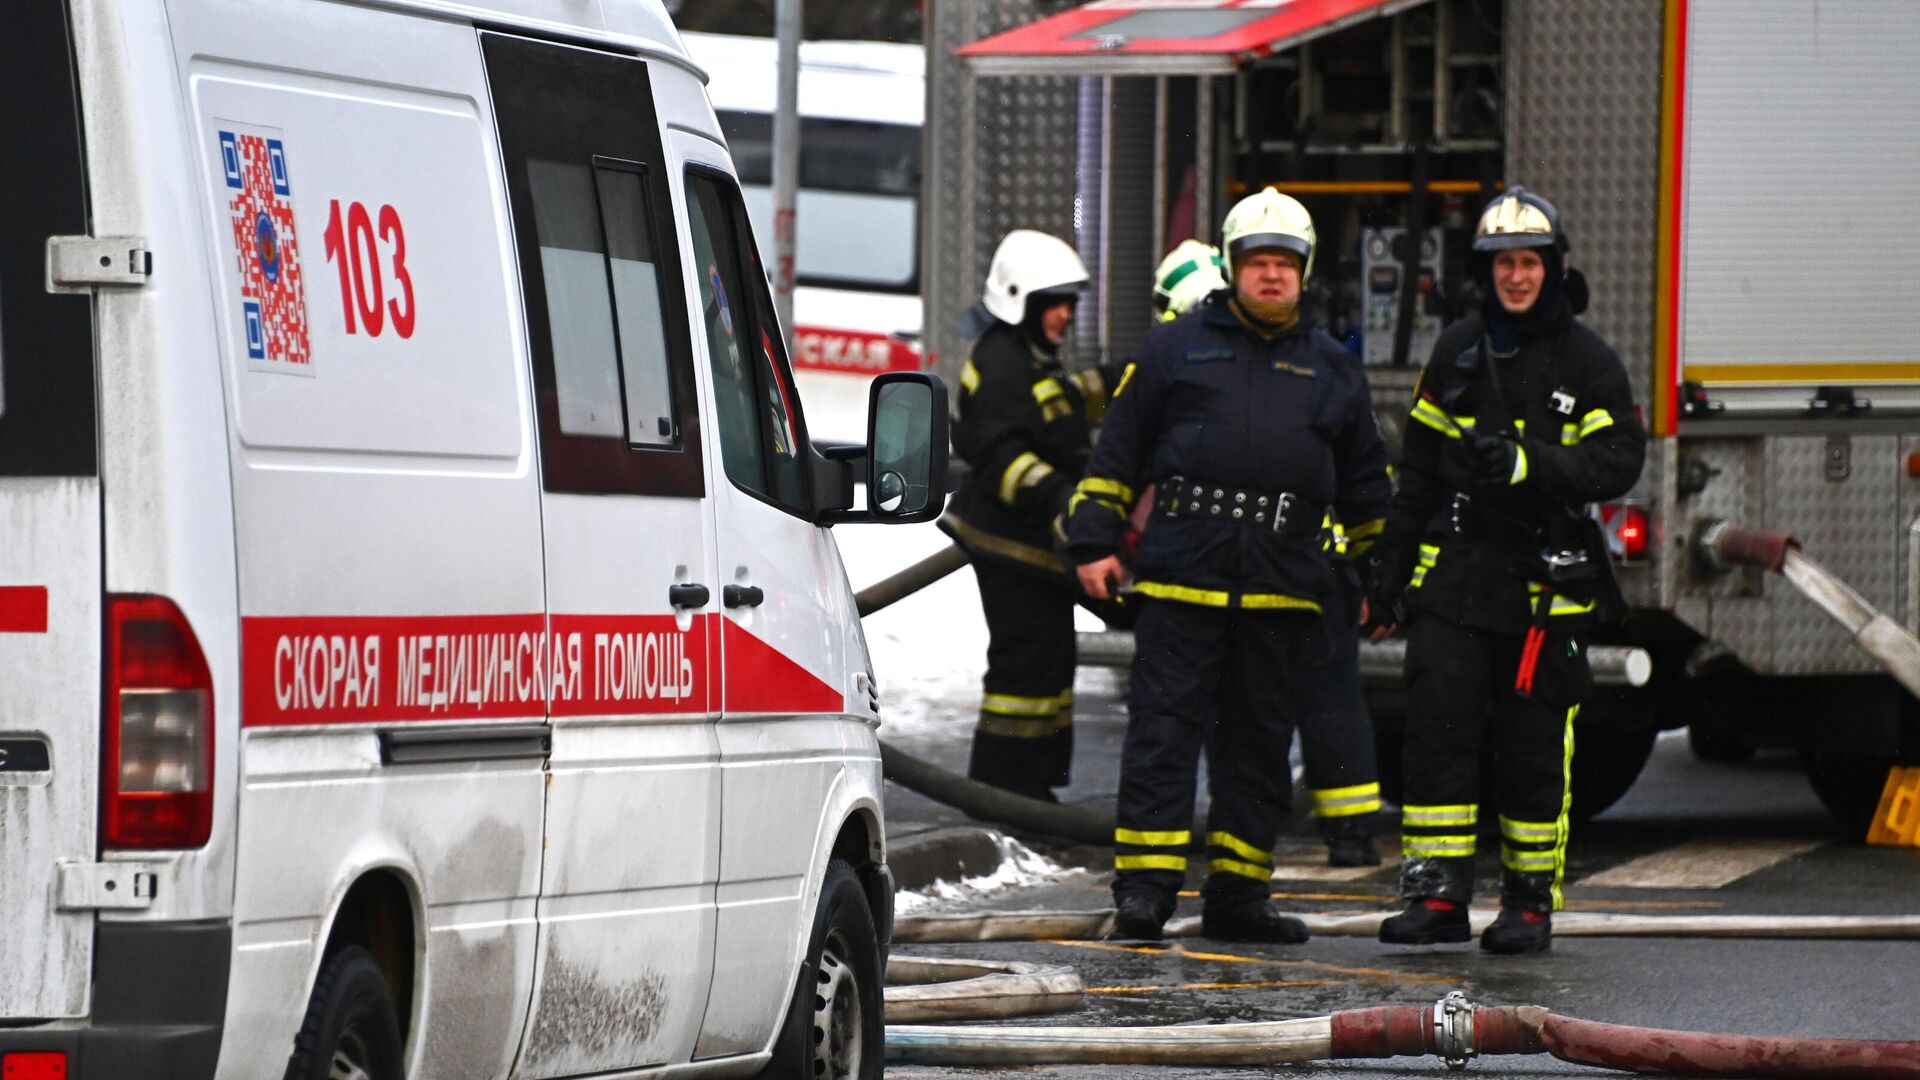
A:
x: 380, y: 669
x: 23, y: 609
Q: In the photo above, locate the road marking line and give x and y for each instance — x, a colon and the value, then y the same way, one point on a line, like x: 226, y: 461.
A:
x: 1272, y: 984
x: 1701, y: 864
x: 1184, y: 953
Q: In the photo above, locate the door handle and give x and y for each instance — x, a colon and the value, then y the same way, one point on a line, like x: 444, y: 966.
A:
x: 688, y: 596
x: 741, y: 595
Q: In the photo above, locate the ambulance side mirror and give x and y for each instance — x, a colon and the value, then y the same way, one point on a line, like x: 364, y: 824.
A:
x: 905, y: 458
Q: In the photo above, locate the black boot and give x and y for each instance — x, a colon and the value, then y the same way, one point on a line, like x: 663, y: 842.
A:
x: 1139, y: 915
x: 1428, y: 921
x: 1350, y: 840
x: 1525, y: 924
x: 1253, y: 920
x: 1518, y: 932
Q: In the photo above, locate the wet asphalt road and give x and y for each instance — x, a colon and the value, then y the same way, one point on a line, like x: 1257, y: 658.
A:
x: 1684, y: 817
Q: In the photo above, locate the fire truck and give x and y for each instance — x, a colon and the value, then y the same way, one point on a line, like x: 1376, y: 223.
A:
x: 1737, y: 181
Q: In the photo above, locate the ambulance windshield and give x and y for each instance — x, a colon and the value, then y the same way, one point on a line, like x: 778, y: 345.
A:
x: 859, y: 202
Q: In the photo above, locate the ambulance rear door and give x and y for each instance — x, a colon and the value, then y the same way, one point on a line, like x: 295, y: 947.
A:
x: 50, y: 633
x: 626, y: 907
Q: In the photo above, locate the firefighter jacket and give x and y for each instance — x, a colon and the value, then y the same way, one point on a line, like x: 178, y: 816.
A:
x: 1213, y: 404
x: 1025, y: 430
x: 1475, y: 555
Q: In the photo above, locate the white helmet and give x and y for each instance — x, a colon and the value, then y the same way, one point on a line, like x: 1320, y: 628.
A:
x: 1025, y: 263
x: 1268, y: 219
x: 1185, y: 277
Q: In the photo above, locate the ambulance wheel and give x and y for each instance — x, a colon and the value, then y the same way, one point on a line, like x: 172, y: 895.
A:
x: 833, y: 1029
x: 350, y: 1031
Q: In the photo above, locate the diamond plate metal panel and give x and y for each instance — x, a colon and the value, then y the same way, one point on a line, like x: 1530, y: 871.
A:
x: 1583, y: 129
x: 999, y: 156
x: 1852, y: 526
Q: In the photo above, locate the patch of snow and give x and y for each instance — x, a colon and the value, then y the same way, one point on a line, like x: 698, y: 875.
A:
x: 1020, y: 867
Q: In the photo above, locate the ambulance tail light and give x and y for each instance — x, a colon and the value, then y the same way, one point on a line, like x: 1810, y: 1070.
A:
x: 1635, y: 531
x: 156, y: 745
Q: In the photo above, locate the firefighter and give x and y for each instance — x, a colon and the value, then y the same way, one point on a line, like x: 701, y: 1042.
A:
x: 1024, y: 431
x: 1252, y: 425
x: 1521, y: 418
x: 1336, y: 735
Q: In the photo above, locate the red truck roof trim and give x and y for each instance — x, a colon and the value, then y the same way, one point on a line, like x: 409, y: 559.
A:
x: 1121, y: 35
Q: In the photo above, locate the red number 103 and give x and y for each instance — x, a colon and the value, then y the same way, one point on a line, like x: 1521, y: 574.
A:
x: 362, y: 281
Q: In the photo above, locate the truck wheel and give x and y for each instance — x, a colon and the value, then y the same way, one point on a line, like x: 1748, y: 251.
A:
x: 350, y: 1031
x: 833, y: 1029
x: 1612, y: 740
x: 1714, y: 741
x: 1849, y: 785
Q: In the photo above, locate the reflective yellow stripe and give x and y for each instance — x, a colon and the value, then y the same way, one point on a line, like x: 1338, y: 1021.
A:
x: 1436, y: 847
x: 1457, y: 814
x: 1239, y: 847
x: 1419, y: 577
x: 1016, y: 705
x: 1161, y: 591
x: 1528, y: 831
x: 1125, y: 378
x: 1018, y: 727
x: 1047, y: 389
x: 1073, y: 504
x: 970, y: 377
x: 1366, y: 529
x: 1569, y: 434
x: 1435, y: 417
x: 1148, y: 838
x: 1010, y: 479
x: 1530, y: 862
x: 1244, y: 869
x: 1562, y: 605
x: 1347, y: 801
x: 1566, y: 813
x: 1594, y: 421
x: 1100, y: 485
x: 1150, y: 862
x: 1035, y: 476
x: 1519, y: 466
x: 1276, y: 602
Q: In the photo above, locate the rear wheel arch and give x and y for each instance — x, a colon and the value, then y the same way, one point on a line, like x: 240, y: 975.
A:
x: 860, y: 843
x: 380, y: 913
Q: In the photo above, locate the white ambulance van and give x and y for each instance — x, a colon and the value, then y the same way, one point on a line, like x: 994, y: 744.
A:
x: 856, y: 297
x: 422, y: 651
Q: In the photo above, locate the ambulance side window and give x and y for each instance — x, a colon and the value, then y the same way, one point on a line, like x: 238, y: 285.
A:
x: 762, y: 434
x: 613, y: 364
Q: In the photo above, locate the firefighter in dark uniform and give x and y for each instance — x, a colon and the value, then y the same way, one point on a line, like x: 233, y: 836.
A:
x: 1252, y: 426
x: 1521, y: 418
x: 1024, y: 431
x: 1336, y: 736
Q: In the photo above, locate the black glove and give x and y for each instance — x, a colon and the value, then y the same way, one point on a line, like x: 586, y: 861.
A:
x: 1384, y: 608
x: 1495, y: 458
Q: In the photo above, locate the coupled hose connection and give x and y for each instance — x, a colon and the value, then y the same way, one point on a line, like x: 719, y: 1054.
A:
x: 1453, y: 1029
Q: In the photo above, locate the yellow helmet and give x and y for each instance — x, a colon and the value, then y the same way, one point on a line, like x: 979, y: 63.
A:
x: 1185, y: 277
x: 1268, y: 219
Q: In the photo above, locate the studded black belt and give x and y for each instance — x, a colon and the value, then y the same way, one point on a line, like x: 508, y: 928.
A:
x: 1285, y: 513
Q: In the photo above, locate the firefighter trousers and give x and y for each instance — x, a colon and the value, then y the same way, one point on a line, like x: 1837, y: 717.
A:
x: 1462, y: 704
x: 1279, y: 661
x: 1336, y: 731
x: 1023, y: 741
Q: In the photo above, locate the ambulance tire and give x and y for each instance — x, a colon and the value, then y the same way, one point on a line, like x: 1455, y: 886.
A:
x: 834, y: 1027
x: 350, y: 1023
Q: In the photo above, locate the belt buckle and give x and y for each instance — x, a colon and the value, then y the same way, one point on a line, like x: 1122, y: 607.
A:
x: 1281, y: 505
x: 1462, y: 502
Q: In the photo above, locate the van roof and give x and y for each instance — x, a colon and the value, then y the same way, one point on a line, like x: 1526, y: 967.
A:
x: 643, y: 25
x: 846, y: 80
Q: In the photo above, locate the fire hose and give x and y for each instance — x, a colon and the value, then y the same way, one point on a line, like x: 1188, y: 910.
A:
x: 1453, y: 1029
x: 1097, y: 925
